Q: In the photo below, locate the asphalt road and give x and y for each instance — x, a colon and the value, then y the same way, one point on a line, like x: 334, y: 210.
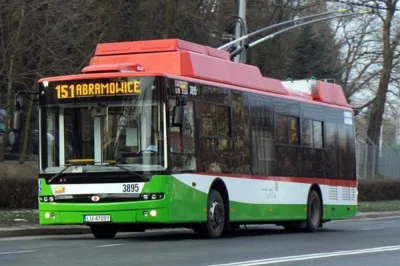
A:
x: 353, y: 242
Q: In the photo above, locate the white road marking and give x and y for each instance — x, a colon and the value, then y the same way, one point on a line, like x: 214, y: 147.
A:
x: 109, y: 245
x: 309, y: 256
x: 372, y: 228
x: 16, y: 252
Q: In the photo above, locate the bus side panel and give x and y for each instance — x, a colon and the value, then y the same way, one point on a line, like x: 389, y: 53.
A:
x: 255, y: 200
x: 189, y: 198
x: 266, y: 200
x: 340, y: 202
x: 249, y: 199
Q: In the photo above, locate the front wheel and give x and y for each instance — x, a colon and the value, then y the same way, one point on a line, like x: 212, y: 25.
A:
x: 314, y: 212
x: 215, y: 223
x: 103, y: 231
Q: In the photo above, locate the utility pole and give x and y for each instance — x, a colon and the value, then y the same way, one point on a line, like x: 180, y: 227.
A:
x: 397, y: 133
x: 240, y: 29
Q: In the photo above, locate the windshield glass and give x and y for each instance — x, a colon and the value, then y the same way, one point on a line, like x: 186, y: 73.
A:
x: 97, y: 131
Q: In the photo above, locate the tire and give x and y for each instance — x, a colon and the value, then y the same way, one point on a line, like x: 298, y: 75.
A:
x: 103, y: 231
x: 216, y: 217
x: 314, y: 212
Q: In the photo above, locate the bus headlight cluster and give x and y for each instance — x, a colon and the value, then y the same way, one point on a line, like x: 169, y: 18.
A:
x: 152, y: 196
x: 153, y: 213
x: 49, y: 215
x: 46, y: 199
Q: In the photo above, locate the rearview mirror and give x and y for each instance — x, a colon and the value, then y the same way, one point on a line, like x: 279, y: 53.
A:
x: 17, y: 119
x: 18, y: 103
x: 177, y: 116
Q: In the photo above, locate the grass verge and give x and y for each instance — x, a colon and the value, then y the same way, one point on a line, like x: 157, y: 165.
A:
x: 20, y: 217
x: 379, y: 206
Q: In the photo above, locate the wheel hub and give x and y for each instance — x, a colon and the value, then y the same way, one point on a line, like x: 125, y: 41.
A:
x: 216, y: 214
x: 315, y: 211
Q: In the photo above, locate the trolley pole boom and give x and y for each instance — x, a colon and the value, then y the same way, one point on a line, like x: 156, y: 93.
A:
x: 277, y: 25
x: 270, y: 36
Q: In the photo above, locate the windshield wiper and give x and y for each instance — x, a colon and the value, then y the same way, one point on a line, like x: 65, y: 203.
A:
x: 62, y: 171
x: 144, y: 178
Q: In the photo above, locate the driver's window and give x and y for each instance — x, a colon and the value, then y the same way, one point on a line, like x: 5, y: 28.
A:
x: 182, y: 140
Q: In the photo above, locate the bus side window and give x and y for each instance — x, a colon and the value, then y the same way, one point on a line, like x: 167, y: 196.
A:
x: 182, y: 141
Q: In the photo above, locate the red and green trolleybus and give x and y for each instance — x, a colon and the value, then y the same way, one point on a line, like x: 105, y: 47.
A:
x: 168, y: 133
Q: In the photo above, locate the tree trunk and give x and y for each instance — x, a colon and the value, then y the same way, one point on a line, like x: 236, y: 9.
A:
x: 8, y: 109
x: 10, y: 74
x: 26, y: 133
x: 170, y: 15
x: 378, y: 105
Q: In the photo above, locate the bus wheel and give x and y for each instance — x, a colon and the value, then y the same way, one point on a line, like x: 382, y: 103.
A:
x: 313, y: 212
x: 215, y: 223
x: 103, y: 231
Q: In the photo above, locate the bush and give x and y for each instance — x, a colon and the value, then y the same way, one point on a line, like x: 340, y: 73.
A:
x: 18, y: 193
x: 378, y: 190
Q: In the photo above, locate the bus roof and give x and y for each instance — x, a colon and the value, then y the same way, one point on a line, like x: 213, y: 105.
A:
x: 185, y: 59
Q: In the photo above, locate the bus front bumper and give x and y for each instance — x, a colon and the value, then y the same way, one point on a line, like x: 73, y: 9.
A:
x: 78, y: 214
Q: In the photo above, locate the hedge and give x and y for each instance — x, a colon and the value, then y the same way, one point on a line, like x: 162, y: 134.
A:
x: 378, y: 190
x: 18, y: 193
x: 22, y: 192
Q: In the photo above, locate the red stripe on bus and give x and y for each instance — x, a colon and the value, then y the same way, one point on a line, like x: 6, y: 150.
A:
x: 306, y: 180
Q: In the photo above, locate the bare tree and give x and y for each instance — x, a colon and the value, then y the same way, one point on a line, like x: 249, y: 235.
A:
x: 12, y: 19
x: 390, y: 42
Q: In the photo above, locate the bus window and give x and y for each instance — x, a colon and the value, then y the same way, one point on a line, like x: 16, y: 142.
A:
x: 240, y: 159
x: 307, y: 133
x: 346, y: 148
x: 331, y: 158
x: 182, y: 141
x: 208, y: 120
x: 281, y: 129
x: 318, y: 136
x: 293, y: 130
x: 215, y: 142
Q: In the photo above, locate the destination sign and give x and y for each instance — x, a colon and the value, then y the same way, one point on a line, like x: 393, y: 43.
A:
x: 91, y: 89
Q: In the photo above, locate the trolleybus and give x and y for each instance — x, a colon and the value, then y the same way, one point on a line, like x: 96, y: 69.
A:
x: 169, y: 133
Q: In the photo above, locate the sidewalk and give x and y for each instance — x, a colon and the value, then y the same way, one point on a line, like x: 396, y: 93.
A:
x: 35, y: 230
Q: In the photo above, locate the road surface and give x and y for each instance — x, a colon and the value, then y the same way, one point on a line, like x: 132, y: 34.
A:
x: 353, y: 242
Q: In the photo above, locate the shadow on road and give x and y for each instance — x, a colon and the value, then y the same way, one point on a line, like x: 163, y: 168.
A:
x: 180, y: 235
x: 186, y: 234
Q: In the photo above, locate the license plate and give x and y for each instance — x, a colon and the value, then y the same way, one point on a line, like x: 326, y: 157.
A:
x: 97, y: 218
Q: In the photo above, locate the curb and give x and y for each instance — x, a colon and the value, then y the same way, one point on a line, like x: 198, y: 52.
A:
x: 365, y: 215
x: 36, y: 231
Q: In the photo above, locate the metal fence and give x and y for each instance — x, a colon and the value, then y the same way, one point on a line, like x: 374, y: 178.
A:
x: 377, y: 162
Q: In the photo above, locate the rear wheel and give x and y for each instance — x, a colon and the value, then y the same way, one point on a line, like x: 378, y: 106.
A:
x: 215, y: 223
x: 103, y: 231
x: 314, y: 212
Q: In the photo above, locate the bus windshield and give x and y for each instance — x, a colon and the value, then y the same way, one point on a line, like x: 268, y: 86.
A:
x: 93, y: 133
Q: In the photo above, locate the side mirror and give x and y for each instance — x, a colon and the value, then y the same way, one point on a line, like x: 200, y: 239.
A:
x: 19, y: 103
x: 99, y: 111
x: 178, y: 116
x: 17, y: 119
